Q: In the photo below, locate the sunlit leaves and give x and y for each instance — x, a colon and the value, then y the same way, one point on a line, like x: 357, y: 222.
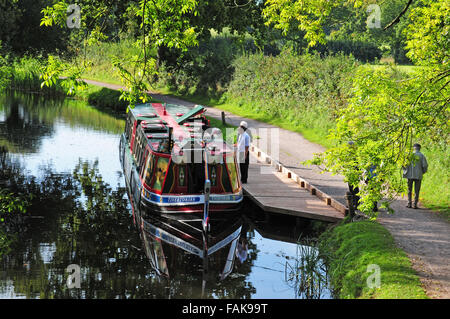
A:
x: 163, y: 24
x: 307, y: 15
x: 428, y: 36
x: 11, y: 204
x: 55, y: 14
x: 57, y: 71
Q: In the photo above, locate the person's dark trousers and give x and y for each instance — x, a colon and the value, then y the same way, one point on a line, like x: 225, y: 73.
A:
x: 417, y: 184
x: 244, y: 169
x: 354, y: 191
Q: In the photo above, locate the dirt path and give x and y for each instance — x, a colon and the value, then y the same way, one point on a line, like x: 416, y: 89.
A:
x: 424, y: 236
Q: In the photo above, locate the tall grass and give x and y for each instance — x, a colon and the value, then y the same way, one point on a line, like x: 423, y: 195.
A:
x: 23, y: 74
x: 435, y: 192
x: 307, y: 273
x: 100, y: 56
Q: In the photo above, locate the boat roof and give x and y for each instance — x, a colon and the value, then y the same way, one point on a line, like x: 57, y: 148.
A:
x: 159, y: 117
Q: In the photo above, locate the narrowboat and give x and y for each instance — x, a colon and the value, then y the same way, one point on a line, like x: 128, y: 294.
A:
x: 173, y: 162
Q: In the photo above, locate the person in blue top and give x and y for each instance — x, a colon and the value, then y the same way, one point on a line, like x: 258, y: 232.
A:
x: 243, y: 147
x: 414, y: 173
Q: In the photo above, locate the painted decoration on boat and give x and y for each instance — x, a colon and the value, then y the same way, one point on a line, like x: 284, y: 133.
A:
x: 182, y: 175
x: 231, y: 166
x: 161, y: 170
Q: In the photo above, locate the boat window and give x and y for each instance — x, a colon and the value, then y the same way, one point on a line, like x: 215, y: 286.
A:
x: 135, y: 144
x: 160, y: 172
x: 164, y: 146
x: 137, y: 147
x: 127, y: 126
x: 170, y: 179
x: 143, y: 158
x: 140, y: 153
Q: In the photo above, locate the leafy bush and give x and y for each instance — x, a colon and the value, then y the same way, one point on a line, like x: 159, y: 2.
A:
x: 24, y: 74
x: 305, y: 89
x: 362, y: 51
x: 206, y: 69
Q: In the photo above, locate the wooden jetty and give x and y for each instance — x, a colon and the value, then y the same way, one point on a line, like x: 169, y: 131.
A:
x: 278, y: 191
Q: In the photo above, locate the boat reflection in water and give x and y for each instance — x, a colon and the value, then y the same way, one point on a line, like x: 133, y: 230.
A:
x: 177, y: 246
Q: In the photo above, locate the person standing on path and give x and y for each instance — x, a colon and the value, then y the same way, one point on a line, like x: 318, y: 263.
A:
x: 414, y: 173
x: 243, y: 146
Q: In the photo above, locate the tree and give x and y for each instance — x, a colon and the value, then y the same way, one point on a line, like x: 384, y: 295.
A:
x: 388, y: 111
x: 307, y: 15
x: 162, y: 24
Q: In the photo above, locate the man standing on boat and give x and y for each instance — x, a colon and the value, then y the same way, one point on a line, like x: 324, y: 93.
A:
x: 243, y: 147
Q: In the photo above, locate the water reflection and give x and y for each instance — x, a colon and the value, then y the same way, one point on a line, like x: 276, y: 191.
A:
x: 27, y: 119
x: 176, y: 246
x: 80, y: 213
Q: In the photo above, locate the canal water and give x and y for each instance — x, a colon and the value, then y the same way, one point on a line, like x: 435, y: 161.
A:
x: 82, y: 237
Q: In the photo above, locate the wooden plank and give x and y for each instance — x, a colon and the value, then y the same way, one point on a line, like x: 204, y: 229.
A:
x: 275, y: 192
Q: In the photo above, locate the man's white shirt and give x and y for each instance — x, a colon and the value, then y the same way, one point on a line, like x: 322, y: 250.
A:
x: 243, y: 142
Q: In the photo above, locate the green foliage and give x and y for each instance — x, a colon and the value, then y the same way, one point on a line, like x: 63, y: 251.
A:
x: 307, y: 15
x: 206, y: 69
x: 435, y: 193
x: 352, y: 247
x: 11, y: 204
x: 52, y: 74
x: 163, y: 24
x: 20, y: 32
x: 108, y: 98
x: 100, y: 56
x: 306, y: 90
x: 361, y: 51
x: 24, y: 74
x: 389, y: 111
x: 5, y: 72
x: 428, y: 36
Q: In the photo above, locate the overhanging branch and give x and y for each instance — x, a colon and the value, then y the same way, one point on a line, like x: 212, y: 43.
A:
x: 396, y: 20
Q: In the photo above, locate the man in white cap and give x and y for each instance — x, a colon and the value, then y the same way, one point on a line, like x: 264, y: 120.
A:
x: 243, y: 146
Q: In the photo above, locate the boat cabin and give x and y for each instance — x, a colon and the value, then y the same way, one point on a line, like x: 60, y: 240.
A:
x: 169, y: 148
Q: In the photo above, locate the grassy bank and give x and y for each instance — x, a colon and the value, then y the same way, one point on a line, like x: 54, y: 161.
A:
x: 435, y: 192
x: 102, y: 98
x: 352, y: 247
x: 22, y: 74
